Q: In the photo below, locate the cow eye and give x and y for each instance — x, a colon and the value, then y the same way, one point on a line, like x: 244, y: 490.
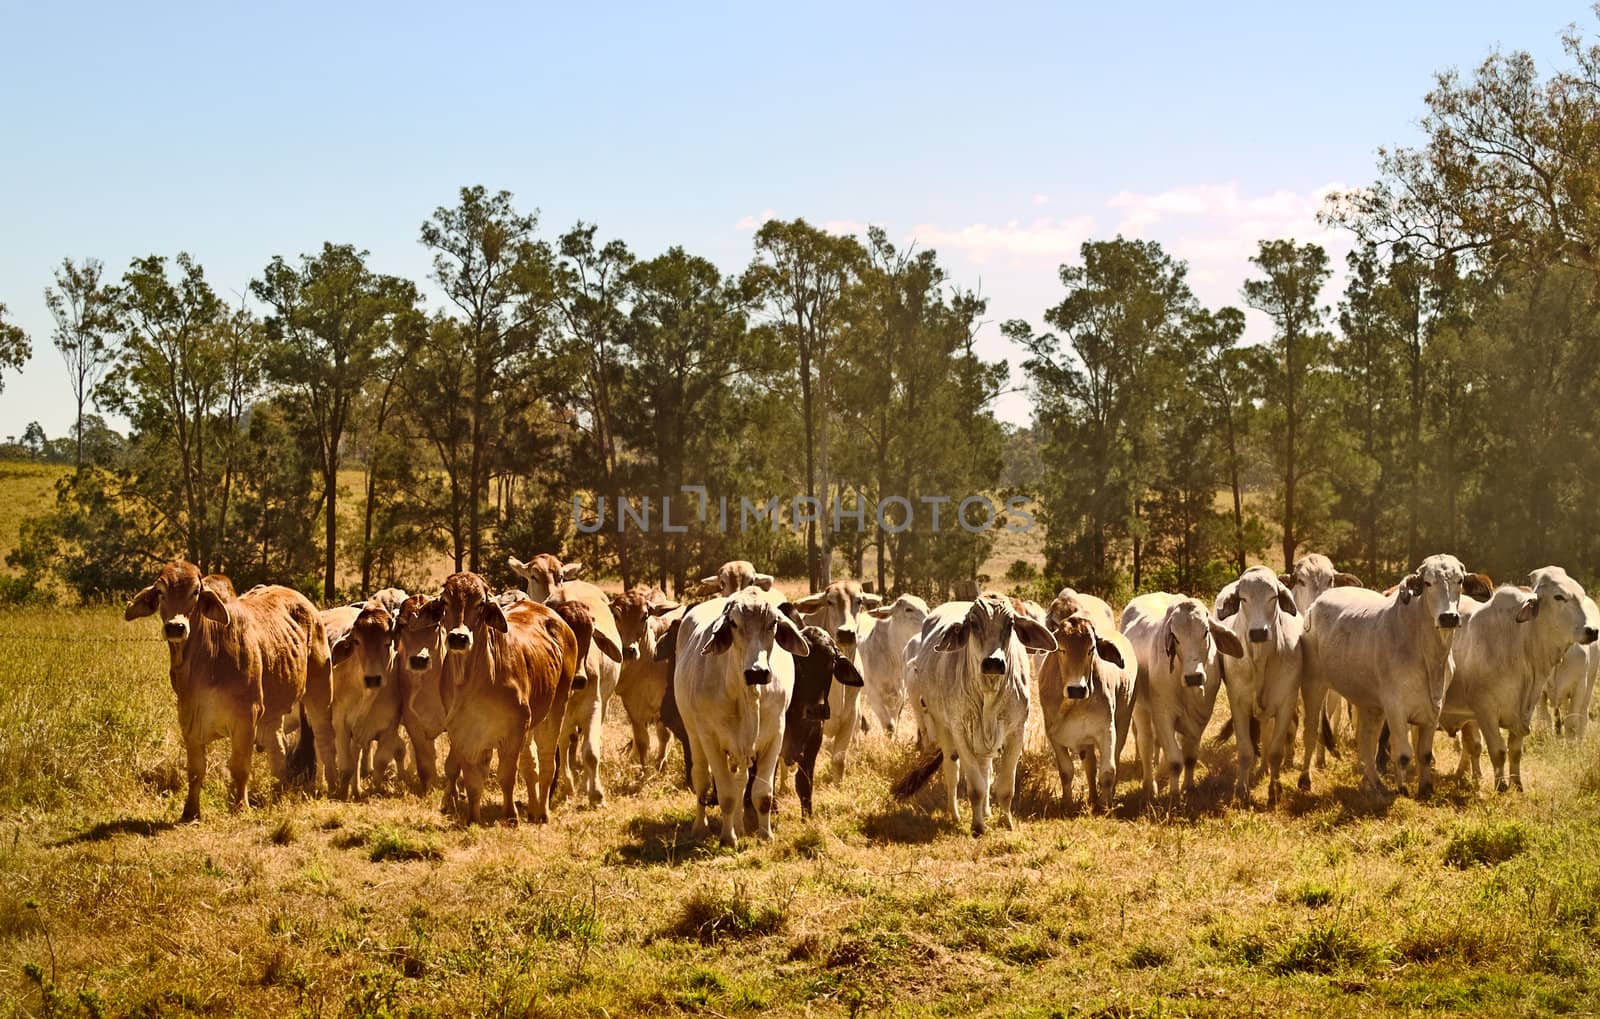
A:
x: 1561, y: 597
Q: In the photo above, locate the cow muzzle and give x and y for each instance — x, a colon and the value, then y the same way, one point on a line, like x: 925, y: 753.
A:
x: 994, y: 665
x: 1258, y: 634
x: 579, y: 680
x: 175, y: 629
x: 1194, y: 679
x: 815, y: 713
x: 1078, y: 691
x: 757, y: 675
x: 1449, y: 620
x: 419, y: 661
x: 630, y: 653
x: 458, y: 640
x: 1590, y: 635
x: 373, y: 682
x: 845, y: 635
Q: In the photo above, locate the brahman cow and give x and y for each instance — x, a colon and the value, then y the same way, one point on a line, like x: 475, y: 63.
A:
x: 1086, y: 689
x: 368, y: 697
x: 733, y: 577
x: 882, y: 655
x: 507, y: 676
x: 642, y: 683
x: 544, y: 574
x: 732, y: 680
x: 971, y: 679
x: 1572, y: 683
x: 1504, y: 653
x: 1179, y: 648
x: 238, y: 665
x: 1264, y: 685
x: 1389, y: 656
x: 840, y: 609
x: 1313, y: 576
x: 419, y: 645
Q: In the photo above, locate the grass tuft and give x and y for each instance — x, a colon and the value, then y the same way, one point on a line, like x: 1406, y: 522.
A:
x: 1326, y: 946
x: 710, y: 915
x: 1483, y: 843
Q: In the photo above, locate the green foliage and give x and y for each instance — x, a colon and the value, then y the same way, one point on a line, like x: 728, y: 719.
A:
x: 1485, y: 843
x: 15, y: 348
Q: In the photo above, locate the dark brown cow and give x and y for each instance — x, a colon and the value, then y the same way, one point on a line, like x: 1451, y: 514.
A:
x: 507, y: 675
x: 238, y: 665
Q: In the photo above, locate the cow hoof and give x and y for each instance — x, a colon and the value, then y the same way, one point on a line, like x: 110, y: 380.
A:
x: 1425, y: 792
x: 189, y: 816
x: 1304, y: 784
x: 1516, y: 784
x: 1501, y: 785
x: 977, y: 831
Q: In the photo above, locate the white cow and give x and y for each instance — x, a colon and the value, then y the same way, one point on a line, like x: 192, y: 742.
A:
x: 733, y: 577
x: 1264, y: 685
x: 1572, y: 682
x: 841, y: 611
x: 1312, y: 577
x: 1504, y: 654
x: 1389, y: 655
x: 1086, y: 699
x: 1179, y: 647
x: 1067, y: 602
x: 883, y: 658
x: 971, y: 679
x: 732, y: 682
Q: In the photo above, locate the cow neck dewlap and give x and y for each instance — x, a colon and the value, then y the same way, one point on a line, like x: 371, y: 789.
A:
x: 207, y: 637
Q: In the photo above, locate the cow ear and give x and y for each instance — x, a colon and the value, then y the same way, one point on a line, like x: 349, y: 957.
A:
x: 881, y: 612
x: 1529, y: 609
x: 791, y: 639
x: 811, y: 602
x: 1286, y: 602
x: 873, y: 600
x: 1110, y: 652
x: 495, y: 617
x: 661, y: 610
x: 953, y: 638
x: 213, y: 607
x: 1229, y: 606
x: 1342, y: 579
x: 1286, y: 579
x: 341, y: 651
x: 571, y: 571
x: 1034, y: 636
x: 1172, y: 647
x: 721, y: 638
x: 519, y: 567
x: 844, y: 671
x: 1227, y: 640
x: 144, y: 604
x: 1479, y: 586
x: 764, y: 581
x: 607, y: 646
x: 432, y: 611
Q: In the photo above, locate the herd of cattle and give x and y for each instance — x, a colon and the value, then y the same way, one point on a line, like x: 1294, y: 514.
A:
x: 747, y: 676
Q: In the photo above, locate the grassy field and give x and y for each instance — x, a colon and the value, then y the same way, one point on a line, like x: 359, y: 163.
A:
x: 1333, y: 903
x: 26, y: 489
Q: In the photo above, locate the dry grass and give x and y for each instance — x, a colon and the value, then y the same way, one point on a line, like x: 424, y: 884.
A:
x: 26, y: 489
x: 1336, y: 902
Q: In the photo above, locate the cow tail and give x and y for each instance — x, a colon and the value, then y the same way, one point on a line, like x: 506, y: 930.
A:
x: 917, y: 777
x: 303, y: 762
x: 1224, y: 734
x: 1328, y: 742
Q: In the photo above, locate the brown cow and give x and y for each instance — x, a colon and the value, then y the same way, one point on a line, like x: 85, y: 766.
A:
x: 507, y: 676
x: 419, y: 645
x: 641, y: 620
x: 368, y: 698
x: 238, y: 665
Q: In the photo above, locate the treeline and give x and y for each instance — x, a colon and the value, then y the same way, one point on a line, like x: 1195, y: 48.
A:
x: 557, y: 368
x: 1446, y: 400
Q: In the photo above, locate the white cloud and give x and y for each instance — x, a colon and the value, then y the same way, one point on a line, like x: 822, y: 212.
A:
x: 848, y: 227
x: 748, y: 223
x: 1047, y: 238
x: 1041, y: 199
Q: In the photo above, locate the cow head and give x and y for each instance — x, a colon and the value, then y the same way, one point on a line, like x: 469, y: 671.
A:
x: 1078, y: 650
x: 419, y: 637
x: 182, y: 597
x: 816, y: 673
x: 371, y: 642
x: 838, y: 608
x: 995, y: 635
x: 1437, y: 587
x: 634, y: 611
x: 467, y: 610
x: 748, y: 627
x: 1556, y: 602
x: 1187, y: 637
x: 1258, y: 595
x: 732, y: 577
x: 544, y: 574
x: 907, y: 611
x: 1312, y: 577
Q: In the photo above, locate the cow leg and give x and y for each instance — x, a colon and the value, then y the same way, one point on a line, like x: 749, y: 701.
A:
x: 979, y: 775
x: 1514, y: 757
x: 590, y: 750
x: 1425, y: 735
x: 951, y: 771
x: 1005, y: 782
x: 761, y: 788
x: 730, y: 782
x: 845, y: 720
x: 452, y: 774
x: 699, y: 782
x: 391, y: 750
x: 1092, y: 777
x: 319, y: 714
x: 269, y: 740
x: 513, y: 753
x: 641, y: 737
x: 806, y: 772
x: 1368, y: 723
x: 1313, y: 695
x: 346, y: 757
x: 472, y: 776
x: 1241, y: 706
x: 663, y: 738
x: 545, y: 759
x: 1471, y: 752
x: 1064, y: 767
x: 1167, y: 740
x: 1145, y: 744
x: 241, y: 746
x: 195, y: 752
x: 1400, y: 748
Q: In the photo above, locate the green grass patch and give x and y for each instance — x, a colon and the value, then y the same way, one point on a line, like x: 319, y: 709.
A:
x: 1484, y: 843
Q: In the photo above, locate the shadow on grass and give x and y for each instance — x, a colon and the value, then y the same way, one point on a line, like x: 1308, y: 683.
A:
x: 911, y: 823
x: 122, y: 826
x: 658, y: 840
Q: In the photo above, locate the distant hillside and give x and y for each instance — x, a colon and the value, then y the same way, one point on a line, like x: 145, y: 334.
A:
x: 26, y: 489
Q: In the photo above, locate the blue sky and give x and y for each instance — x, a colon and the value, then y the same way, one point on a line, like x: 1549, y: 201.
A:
x: 1001, y: 135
